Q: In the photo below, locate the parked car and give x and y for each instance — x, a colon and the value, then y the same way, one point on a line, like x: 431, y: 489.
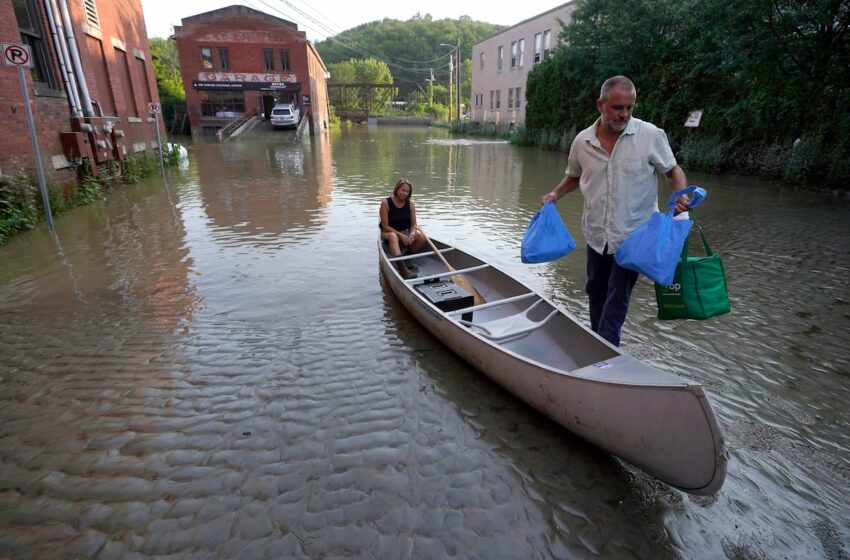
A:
x: 285, y: 116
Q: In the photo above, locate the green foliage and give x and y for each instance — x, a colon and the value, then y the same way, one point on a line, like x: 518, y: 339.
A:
x: 413, y: 52
x: 360, y: 71
x: 172, y: 156
x: 135, y: 168
x: 437, y: 111
x: 89, y: 190
x: 764, y: 72
x: 333, y: 118
x: 18, y: 210
x: 21, y: 206
x: 169, y: 81
x: 489, y: 130
x: 411, y: 49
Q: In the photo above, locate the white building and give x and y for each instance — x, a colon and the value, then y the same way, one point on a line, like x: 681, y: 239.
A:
x: 501, y: 63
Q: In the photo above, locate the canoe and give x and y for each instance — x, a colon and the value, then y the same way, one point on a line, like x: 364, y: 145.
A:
x: 650, y: 418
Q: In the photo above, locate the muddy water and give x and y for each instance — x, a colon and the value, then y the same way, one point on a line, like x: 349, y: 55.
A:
x: 214, y: 369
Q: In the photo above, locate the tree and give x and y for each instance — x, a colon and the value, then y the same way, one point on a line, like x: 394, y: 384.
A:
x: 410, y: 48
x: 169, y: 80
x: 764, y: 72
x: 359, y: 72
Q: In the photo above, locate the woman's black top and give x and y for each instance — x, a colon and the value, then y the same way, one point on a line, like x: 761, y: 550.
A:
x: 398, y: 218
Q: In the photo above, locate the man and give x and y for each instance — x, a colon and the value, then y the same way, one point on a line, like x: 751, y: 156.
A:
x: 615, y: 162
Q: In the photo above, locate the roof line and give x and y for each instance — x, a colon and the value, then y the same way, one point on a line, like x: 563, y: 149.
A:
x: 556, y: 8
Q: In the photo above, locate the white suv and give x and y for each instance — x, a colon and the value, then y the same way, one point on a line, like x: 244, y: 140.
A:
x: 284, y: 116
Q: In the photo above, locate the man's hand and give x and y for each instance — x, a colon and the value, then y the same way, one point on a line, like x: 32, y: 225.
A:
x: 682, y: 204
x: 551, y: 197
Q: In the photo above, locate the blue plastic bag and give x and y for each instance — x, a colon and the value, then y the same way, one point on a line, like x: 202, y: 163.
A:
x: 654, y: 248
x: 546, y: 238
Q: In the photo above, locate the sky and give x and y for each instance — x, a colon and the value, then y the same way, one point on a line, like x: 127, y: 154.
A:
x: 321, y: 18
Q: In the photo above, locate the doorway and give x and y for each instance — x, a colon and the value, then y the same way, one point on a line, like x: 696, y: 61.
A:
x: 268, y: 104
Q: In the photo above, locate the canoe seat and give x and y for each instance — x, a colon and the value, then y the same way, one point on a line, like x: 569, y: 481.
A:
x: 510, y: 327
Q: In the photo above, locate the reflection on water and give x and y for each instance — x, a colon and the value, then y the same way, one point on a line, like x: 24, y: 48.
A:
x: 216, y: 370
x: 263, y: 190
x: 126, y: 254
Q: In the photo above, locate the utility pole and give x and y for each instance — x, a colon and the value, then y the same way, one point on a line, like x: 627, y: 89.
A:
x: 457, y: 69
x: 451, y: 76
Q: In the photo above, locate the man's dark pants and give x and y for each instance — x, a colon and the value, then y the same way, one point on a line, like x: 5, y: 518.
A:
x: 609, y: 289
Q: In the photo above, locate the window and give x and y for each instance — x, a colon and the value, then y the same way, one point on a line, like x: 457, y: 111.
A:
x: 536, y: 47
x: 521, y: 52
x: 143, y: 71
x: 492, y: 96
x: 510, y: 98
x: 547, y: 40
x: 499, y: 53
x: 268, y: 58
x: 224, y: 58
x: 513, y: 55
x: 28, y: 16
x: 223, y: 103
x: 517, y: 97
x: 481, y: 61
x: 284, y: 59
x: 206, y: 58
x: 126, y: 85
x: 498, y: 98
x: 91, y: 13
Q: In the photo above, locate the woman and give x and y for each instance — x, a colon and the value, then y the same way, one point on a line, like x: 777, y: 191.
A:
x: 398, y: 225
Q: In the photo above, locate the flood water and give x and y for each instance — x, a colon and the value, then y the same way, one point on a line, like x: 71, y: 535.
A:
x: 215, y: 369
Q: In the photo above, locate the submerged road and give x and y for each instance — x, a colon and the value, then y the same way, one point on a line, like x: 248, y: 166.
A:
x: 214, y: 369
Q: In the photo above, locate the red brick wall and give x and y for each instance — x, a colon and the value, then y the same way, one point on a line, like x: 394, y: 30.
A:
x: 319, y: 105
x: 49, y: 113
x: 121, y: 26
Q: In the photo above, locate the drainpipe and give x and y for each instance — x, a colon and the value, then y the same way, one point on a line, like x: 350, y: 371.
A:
x: 62, y: 51
x: 75, y: 59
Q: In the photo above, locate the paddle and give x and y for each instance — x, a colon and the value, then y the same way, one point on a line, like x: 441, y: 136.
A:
x: 459, y: 279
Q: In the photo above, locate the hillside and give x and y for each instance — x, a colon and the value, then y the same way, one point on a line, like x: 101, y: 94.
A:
x: 410, y: 48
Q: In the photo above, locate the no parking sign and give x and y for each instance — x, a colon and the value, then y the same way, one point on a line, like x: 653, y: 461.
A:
x: 17, y: 54
x: 20, y: 56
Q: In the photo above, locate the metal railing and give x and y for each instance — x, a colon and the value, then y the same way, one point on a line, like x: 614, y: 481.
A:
x: 224, y: 132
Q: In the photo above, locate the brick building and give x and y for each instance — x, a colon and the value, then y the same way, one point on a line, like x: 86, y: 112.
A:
x: 89, y: 88
x: 239, y: 60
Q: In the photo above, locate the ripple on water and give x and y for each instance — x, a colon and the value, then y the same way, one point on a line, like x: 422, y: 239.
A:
x: 228, y: 377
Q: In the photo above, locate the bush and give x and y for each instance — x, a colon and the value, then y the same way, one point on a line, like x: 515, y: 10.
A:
x: 333, y: 119
x: 20, y: 203
x: 136, y: 167
x: 18, y: 210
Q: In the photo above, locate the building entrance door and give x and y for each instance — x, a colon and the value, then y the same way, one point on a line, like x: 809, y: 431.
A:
x: 268, y: 104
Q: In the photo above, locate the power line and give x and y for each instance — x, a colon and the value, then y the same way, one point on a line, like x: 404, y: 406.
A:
x: 354, y: 47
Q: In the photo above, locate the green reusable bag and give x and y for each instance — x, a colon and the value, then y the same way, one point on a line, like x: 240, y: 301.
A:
x: 698, y: 290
